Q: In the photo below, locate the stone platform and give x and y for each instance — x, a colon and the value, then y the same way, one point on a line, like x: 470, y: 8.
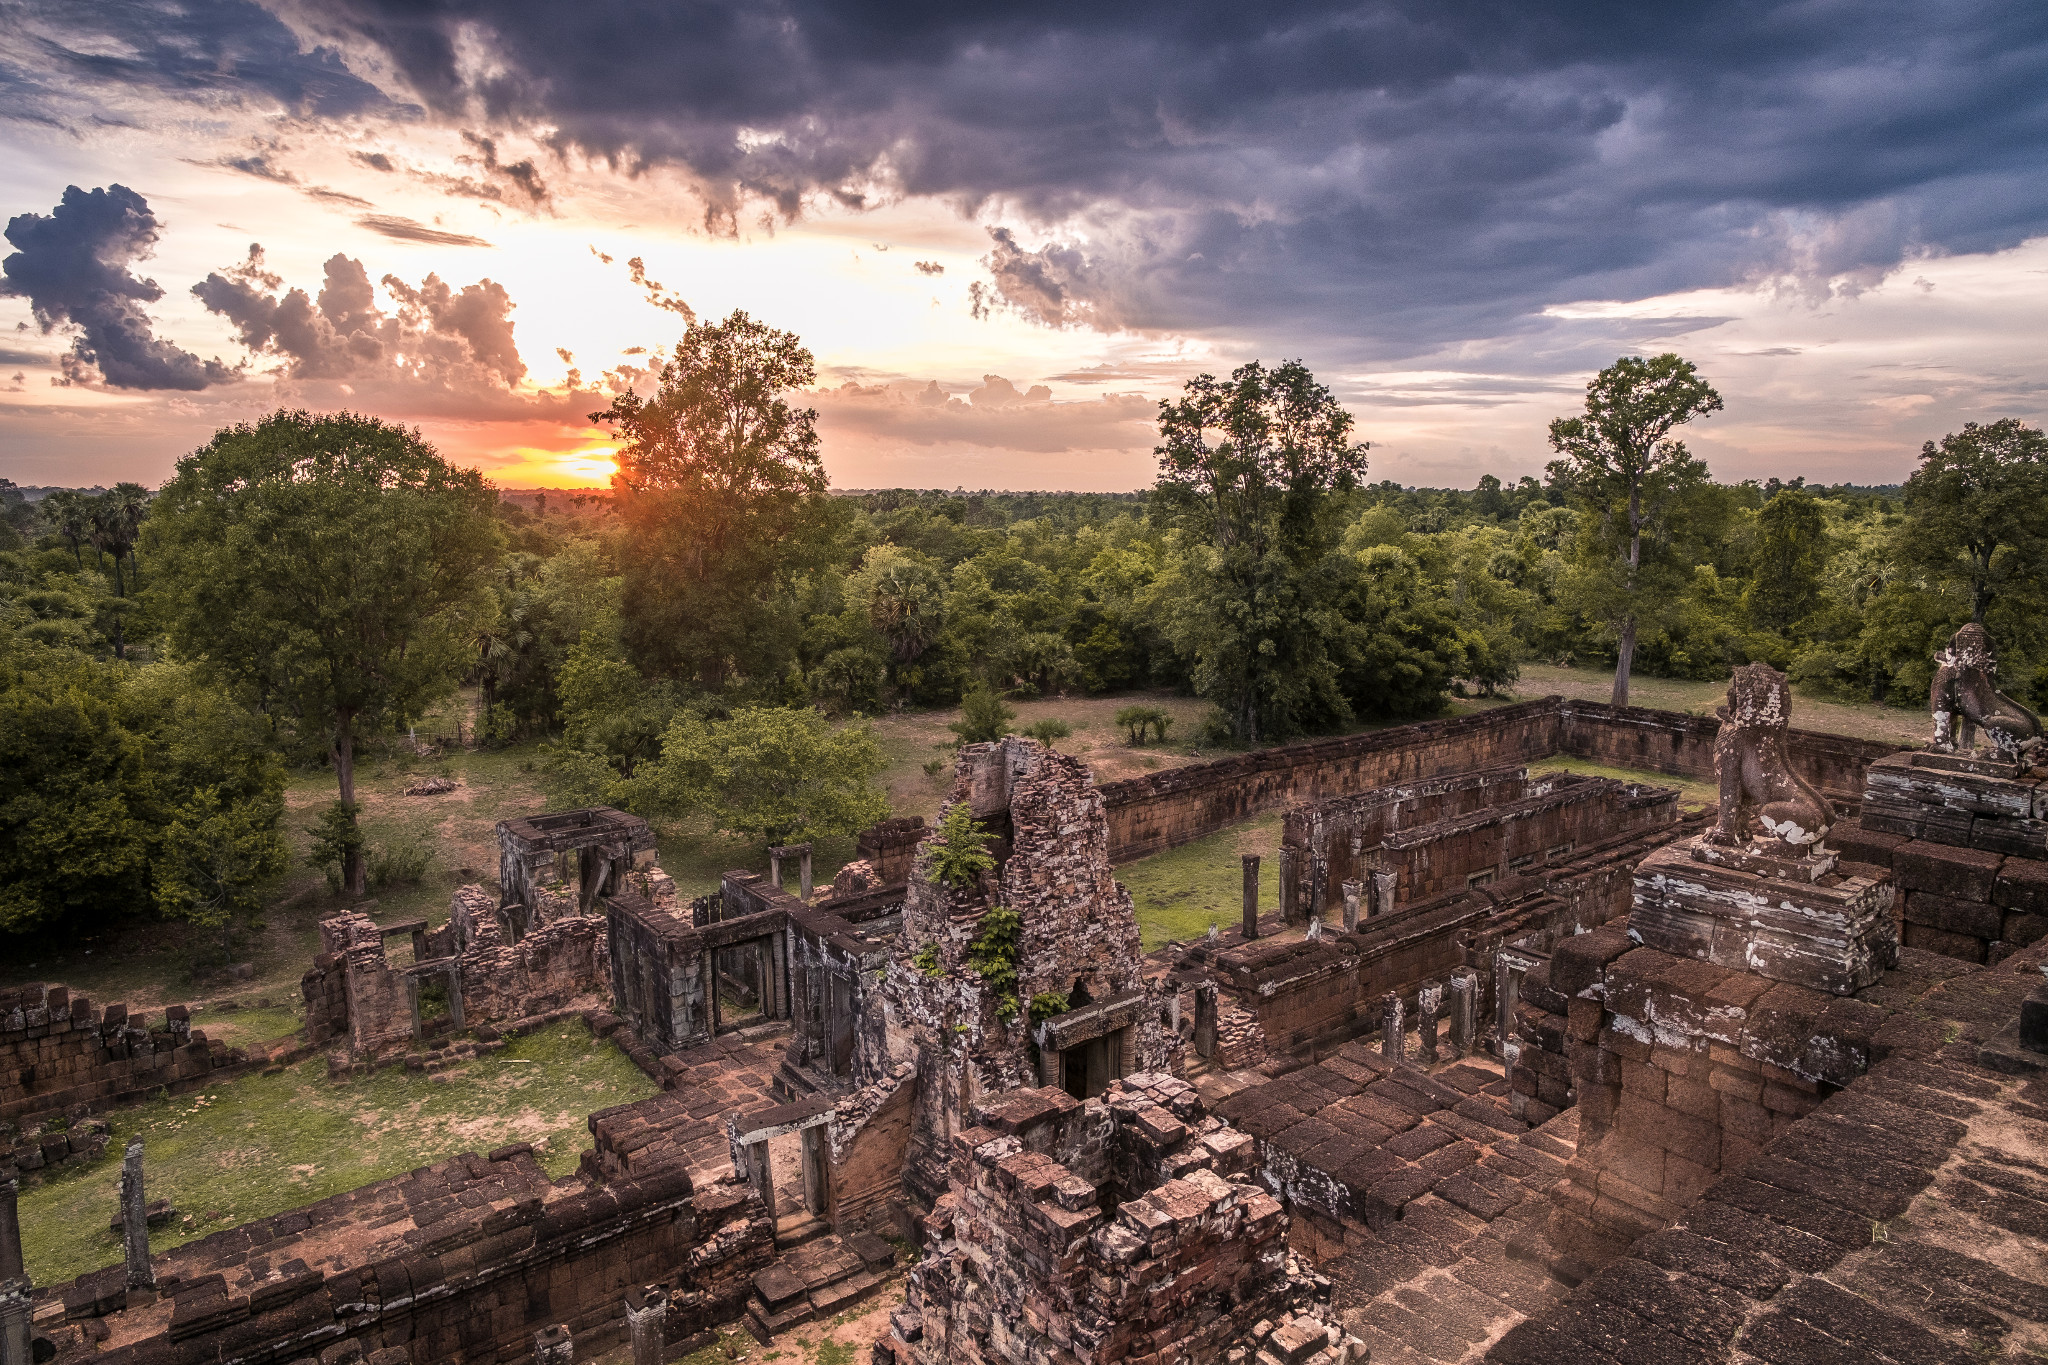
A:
x: 1831, y: 930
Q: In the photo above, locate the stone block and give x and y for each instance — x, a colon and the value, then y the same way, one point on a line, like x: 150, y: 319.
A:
x: 1980, y: 919
x: 1963, y: 947
x: 1963, y: 873
x: 2022, y: 884
x: 2021, y: 929
x: 1858, y: 843
x: 1836, y: 935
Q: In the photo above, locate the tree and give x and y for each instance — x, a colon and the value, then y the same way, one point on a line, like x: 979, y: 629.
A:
x: 1246, y: 469
x: 333, y: 565
x: 722, y: 490
x: 1618, y: 465
x: 1977, y: 510
x: 773, y: 772
x: 1790, y: 556
x: 1048, y: 731
x: 113, y: 525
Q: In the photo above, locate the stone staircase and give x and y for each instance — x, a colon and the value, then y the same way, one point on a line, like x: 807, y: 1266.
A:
x: 816, y: 1277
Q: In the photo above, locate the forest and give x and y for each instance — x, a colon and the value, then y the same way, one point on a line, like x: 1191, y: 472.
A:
x: 708, y: 634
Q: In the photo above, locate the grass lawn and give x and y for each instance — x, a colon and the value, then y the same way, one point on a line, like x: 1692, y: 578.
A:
x: 1691, y: 792
x: 1178, y: 894
x: 1862, y: 720
x: 259, y: 1145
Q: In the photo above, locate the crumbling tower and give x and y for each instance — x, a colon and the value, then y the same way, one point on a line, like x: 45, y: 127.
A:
x: 1072, y: 1010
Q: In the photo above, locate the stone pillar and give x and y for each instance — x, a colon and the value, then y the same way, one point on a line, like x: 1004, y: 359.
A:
x: 763, y: 1170
x: 1505, y: 990
x: 412, y: 997
x: 1383, y: 884
x: 775, y: 867
x: 647, y: 1323
x: 1464, y: 1009
x: 813, y: 1139
x: 1429, y: 1001
x: 455, y: 998
x: 1290, y: 902
x: 1351, y: 890
x: 554, y: 1346
x: 1205, y: 1018
x: 14, y: 1285
x: 805, y: 850
x: 1393, y: 1026
x: 135, y: 1218
x: 1251, y: 896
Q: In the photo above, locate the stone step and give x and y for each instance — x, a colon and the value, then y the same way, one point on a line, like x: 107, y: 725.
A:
x: 793, y: 1230
x: 826, y: 1275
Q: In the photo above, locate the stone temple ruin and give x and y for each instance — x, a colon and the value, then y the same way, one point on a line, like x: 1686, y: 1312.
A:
x: 1534, y: 1068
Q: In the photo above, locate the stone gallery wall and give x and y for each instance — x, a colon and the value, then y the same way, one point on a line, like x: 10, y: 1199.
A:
x: 1164, y: 810
x: 57, y: 1050
x: 458, y: 1261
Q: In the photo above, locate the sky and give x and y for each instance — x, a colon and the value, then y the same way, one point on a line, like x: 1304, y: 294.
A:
x: 1006, y: 233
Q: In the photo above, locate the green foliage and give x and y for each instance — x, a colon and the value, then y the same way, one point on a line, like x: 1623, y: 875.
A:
x: 984, y: 717
x: 334, y: 567
x: 1791, y: 552
x: 1048, y: 731
x: 722, y: 491
x: 128, y: 789
x: 926, y: 960
x: 1631, y: 482
x: 1975, y: 512
x: 1139, y: 721
x: 960, y: 852
x: 1046, y: 1004
x: 773, y: 773
x: 336, y: 838
x: 400, y: 864
x: 1245, y: 601
x: 993, y: 955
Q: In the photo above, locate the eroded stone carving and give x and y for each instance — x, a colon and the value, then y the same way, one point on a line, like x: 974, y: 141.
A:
x: 1965, y: 699
x: 1757, y: 779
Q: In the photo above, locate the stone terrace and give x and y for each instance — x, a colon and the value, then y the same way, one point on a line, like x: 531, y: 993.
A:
x: 1903, y: 1220
x: 686, y: 1121
x: 1418, y: 1194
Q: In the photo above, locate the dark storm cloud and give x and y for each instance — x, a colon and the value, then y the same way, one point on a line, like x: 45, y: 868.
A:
x: 73, y: 268
x: 208, y: 50
x: 1390, y: 174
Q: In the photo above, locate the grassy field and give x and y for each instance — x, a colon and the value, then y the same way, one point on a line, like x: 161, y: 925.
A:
x: 1178, y: 894
x: 259, y: 1145
x: 1862, y: 720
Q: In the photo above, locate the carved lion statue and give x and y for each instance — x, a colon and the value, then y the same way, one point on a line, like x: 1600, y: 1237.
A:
x: 1756, y: 777
x: 1964, y: 699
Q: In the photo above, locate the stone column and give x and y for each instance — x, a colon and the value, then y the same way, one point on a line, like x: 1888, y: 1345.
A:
x: 1251, y: 896
x: 455, y: 999
x: 135, y: 1218
x: 813, y: 1139
x: 647, y: 1323
x: 1505, y: 990
x: 1351, y: 890
x: 14, y: 1285
x: 1429, y: 1000
x: 1383, y: 884
x: 1290, y: 902
x: 1392, y: 1026
x: 554, y: 1346
x: 805, y: 849
x: 775, y: 866
x: 1205, y: 1018
x: 1464, y: 1009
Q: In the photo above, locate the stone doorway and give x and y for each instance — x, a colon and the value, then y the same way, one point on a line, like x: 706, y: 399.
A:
x: 743, y: 984
x: 1088, y: 1069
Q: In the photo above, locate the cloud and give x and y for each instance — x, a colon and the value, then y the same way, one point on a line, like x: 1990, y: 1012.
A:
x: 412, y: 230
x: 433, y: 337
x: 930, y: 268
x: 73, y: 268
x: 1050, y: 286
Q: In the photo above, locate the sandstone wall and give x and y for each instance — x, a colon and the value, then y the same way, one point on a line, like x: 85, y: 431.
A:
x: 1164, y: 810
x: 57, y: 1051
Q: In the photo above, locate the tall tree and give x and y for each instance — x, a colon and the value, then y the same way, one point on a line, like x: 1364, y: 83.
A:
x: 1246, y: 468
x: 113, y: 525
x: 722, y: 488
x: 1791, y: 555
x: 334, y: 565
x: 1977, y: 510
x: 1618, y: 465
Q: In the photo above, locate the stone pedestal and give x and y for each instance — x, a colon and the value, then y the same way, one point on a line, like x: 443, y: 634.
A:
x: 1812, y: 921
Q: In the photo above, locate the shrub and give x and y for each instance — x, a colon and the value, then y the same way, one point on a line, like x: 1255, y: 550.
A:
x: 1139, y: 720
x: 334, y: 838
x: 993, y: 955
x: 1046, y: 732
x: 398, y: 865
x: 983, y: 717
x: 960, y: 853
x: 926, y: 960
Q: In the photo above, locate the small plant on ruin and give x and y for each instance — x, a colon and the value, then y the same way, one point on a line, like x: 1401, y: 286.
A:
x: 1047, y: 732
x: 926, y: 960
x: 1046, y: 1004
x: 993, y: 955
x: 983, y: 717
x: 398, y: 864
x: 960, y: 853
